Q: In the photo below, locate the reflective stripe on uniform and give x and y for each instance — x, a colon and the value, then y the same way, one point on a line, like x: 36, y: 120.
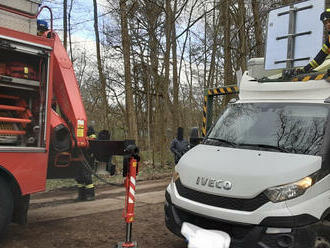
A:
x: 314, y: 64
x: 80, y: 185
x: 325, y: 49
x: 89, y: 186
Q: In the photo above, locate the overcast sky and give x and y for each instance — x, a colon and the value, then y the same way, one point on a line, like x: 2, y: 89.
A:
x: 82, y: 17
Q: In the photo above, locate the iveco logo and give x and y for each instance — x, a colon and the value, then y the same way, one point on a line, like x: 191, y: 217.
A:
x: 213, y: 183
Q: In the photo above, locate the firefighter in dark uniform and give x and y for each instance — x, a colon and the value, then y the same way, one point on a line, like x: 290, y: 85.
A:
x: 86, y: 189
x: 325, y: 51
x: 179, y: 146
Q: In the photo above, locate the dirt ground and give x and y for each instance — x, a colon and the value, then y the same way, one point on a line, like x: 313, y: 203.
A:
x: 57, y: 220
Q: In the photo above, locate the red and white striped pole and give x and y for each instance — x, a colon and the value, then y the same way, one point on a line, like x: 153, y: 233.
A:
x: 130, y: 183
x: 130, y: 190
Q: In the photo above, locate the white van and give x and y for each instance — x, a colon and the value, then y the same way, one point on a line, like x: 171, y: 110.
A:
x: 262, y: 172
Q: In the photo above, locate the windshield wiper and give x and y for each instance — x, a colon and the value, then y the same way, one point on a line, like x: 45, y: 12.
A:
x: 265, y: 146
x: 227, y: 142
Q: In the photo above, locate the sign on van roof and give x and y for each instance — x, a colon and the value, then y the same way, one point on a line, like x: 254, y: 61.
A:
x: 294, y: 34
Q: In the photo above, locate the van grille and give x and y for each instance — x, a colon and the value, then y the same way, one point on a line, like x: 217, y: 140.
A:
x: 222, y: 202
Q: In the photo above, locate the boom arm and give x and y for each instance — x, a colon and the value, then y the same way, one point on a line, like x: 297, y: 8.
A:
x: 67, y: 94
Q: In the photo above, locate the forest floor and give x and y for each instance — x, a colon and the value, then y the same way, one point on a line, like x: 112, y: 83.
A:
x: 57, y: 220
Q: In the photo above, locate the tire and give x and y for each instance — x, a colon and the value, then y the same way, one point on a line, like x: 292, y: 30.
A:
x: 323, y: 237
x: 6, y: 206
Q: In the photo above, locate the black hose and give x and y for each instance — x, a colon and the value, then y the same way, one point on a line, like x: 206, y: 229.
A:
x: 89, y: 168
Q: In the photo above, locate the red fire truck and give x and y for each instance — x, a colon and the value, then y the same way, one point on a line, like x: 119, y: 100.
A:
x: 42, y: 117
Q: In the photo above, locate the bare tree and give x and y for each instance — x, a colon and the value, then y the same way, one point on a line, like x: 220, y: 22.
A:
x: 242, y: 34
x: 69, y: 21
x: 65, y: 24
x: 257, y: 28
x: 100, y: 67
x: 130, y: 113
x: 228, y: 71
x: 216, y: 25
x: 175, y: 108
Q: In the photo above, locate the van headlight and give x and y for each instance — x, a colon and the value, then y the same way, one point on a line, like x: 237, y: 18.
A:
x: 290, y: 191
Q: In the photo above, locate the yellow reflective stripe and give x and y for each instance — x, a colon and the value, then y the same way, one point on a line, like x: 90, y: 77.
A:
x: 314, y: 64
x: 80, y: 185
x: 204, y: 119
x: 222, y: 90
x: 325, y: 49
x: 229, y: 90
x: 89, y: 186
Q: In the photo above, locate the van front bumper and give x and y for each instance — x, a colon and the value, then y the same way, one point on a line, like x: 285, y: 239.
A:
x: 242, y: 235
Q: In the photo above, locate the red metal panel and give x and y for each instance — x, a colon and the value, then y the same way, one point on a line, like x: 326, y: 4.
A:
x: 28, y: 168
x: 26, y: 37
x: 67, y: 92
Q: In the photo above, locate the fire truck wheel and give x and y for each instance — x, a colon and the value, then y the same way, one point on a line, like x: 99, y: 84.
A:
x: 6, y: 205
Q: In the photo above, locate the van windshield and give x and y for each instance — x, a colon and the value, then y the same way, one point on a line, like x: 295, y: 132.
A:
x: 284, y: 127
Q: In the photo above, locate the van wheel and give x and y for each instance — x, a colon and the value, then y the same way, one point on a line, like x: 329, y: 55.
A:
x: 322, y: 236
x: 322, y: 242
x: 6, y: 205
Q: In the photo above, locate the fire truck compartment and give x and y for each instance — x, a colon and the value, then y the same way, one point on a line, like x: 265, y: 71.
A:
x: 23, y: 94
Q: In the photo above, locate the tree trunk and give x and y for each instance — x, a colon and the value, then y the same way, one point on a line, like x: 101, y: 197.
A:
x: 70, y: 41
x: 100, y: 67
x: 65, y: 24
x: 242, y: 35
x: 130, y: 113
x: 153, y: 13
x: 175, y: 73
x: 216, y: 27
x: 228, y: 71
x: 205, y: 50
x: 164, y: 103
x: 257, y: 28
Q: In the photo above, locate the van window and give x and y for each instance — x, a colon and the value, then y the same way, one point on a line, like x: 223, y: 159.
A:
x: 285, y: 127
